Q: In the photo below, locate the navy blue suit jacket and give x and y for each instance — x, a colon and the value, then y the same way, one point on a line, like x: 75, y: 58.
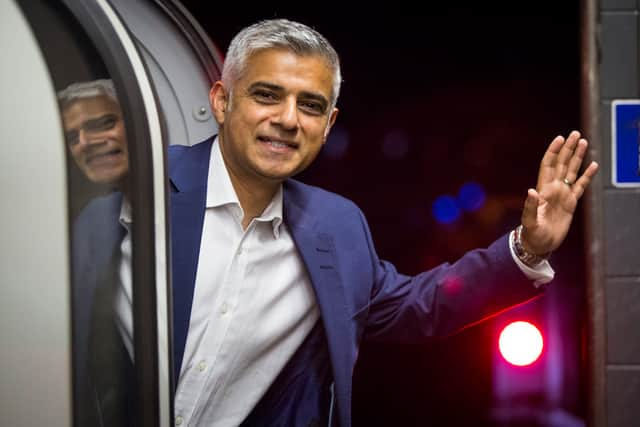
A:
x: 103, y: 376
x: 359, y: 295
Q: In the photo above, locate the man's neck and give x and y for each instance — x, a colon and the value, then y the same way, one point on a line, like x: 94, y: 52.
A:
x: 254, y: 196
x: 254, y: 192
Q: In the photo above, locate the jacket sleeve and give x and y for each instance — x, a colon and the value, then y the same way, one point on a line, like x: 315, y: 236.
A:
x: 445, y: 299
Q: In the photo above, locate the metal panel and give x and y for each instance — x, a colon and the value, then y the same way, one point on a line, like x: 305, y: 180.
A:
x: 618, y: 4
x: 181, y: 80
x: 35, y: 296
x: 619, y: 47
x: 623, y: 318
x: 623, y: 389
x: 622, y: 245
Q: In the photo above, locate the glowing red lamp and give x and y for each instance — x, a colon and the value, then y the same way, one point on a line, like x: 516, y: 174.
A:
x: 520, y: 343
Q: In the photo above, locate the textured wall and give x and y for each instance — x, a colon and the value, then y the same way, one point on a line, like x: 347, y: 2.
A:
x: 619, y: 79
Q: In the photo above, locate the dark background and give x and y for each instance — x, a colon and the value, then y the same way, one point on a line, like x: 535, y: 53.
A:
x: 430, y: 100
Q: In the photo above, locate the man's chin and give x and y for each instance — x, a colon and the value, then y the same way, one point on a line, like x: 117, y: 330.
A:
x: 277, y: 177
x: 112, y: 178
x: 281, y: 173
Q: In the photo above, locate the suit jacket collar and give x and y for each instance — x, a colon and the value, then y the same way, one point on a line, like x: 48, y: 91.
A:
x: 188, y: 168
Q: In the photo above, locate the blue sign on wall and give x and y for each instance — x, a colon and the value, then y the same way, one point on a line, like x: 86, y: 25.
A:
x: 625, y: 143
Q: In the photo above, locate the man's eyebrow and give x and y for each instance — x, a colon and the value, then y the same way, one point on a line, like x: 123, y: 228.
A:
x: 265, y: 85
x: 277, y: 88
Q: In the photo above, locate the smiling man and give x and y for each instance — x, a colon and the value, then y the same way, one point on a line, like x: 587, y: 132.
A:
x: 275, y: 124
x: 94, y: 131
x: 101, y: 255
x: 277, y: 283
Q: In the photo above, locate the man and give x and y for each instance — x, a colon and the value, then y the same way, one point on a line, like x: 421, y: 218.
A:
x: 276, y: 283
x: 94, y: 131
x: 101, y: 256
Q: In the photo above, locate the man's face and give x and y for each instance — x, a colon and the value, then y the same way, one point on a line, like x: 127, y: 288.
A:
x: 278, y: 118
x: 96, y: 137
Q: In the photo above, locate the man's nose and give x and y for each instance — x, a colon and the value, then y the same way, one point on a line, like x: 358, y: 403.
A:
x: 288, y: 115
x: 87, y: 138
x: 82, y: 137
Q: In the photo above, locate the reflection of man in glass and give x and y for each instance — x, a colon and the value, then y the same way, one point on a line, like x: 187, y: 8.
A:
x: 101, y: 256
x: 95, y: 131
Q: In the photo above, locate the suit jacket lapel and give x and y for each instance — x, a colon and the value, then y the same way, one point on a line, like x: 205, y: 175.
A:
x: 317, y: 251
x: 188, y: 174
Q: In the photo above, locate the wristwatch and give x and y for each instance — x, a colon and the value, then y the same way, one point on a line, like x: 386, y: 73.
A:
x: 529, y: 259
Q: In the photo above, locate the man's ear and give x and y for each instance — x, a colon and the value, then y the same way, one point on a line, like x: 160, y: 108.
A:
x: 332, y: 120
x: 218, y: 100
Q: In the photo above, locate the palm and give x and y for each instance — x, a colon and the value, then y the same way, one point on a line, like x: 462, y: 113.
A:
x: 550, y: 208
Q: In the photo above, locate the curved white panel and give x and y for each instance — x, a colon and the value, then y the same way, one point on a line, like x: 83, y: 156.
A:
x: 35, y: 364
x: 181, y: 82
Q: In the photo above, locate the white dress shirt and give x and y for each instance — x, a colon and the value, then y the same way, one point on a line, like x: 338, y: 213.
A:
x: 253, y: 305
x: 123, y: 298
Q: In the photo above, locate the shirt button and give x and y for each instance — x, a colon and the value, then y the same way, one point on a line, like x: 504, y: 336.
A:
x: 179, y: 420
x: 224, y: 308
x: 202, y: 366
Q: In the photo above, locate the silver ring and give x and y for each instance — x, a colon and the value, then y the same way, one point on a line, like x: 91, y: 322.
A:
x: 566, y: 181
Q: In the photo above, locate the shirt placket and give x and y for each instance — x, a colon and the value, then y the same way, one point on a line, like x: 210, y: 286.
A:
x: 206, y: 374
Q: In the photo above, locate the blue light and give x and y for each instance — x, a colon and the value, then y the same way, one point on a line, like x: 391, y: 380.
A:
x: 471, y: 197
x: 445, y: 210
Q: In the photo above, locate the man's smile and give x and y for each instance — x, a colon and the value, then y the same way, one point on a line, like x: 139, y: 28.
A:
x: 102, y: 157
x: 278, y: 144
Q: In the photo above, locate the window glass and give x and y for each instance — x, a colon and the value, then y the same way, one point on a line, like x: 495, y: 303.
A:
x: 94, y: 126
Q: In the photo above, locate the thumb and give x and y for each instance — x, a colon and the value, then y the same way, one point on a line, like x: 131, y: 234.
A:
x: 530, y: 210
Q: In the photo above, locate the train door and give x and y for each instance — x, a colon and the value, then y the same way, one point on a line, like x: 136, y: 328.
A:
x: 92, y: 96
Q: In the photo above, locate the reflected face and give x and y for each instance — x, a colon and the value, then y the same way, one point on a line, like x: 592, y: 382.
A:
x: 95, y: 135
x: 278, y: 116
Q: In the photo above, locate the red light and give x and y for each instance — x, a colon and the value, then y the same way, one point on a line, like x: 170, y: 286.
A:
x: 520, y: 343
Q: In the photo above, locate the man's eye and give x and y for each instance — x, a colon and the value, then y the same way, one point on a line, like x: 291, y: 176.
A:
x: 101, y: 124
x: 312, y: 107
x: 265, y: 96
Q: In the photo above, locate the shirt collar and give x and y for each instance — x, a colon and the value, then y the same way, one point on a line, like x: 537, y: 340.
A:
x: 273, y: 213
x: 125, y: 214
x: 220, y: 192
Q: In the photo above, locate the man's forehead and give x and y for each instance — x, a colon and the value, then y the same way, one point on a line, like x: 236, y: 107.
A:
x: 282, y: 67
x: 91, y: 106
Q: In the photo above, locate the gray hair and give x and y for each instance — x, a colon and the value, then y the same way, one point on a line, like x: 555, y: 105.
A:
x: 279, y: 34
x: 83, y: 90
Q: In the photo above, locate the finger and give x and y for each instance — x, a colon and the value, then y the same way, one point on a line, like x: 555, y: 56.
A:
x: 581, y: 184
x: 549, y: 160
x: 576, y: 160
x: 566, y: 152
x: 552, y: 152
x: 530, y: 210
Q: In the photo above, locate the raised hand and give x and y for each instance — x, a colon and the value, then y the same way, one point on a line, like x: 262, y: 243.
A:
x: 548, y: 210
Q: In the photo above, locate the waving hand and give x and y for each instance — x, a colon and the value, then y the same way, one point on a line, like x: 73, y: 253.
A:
x: 549, y: 209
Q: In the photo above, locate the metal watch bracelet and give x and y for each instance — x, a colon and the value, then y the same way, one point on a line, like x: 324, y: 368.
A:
x: 529, y: 259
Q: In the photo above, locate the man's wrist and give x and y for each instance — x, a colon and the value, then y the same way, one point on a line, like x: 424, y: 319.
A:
x: 528, y: 258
